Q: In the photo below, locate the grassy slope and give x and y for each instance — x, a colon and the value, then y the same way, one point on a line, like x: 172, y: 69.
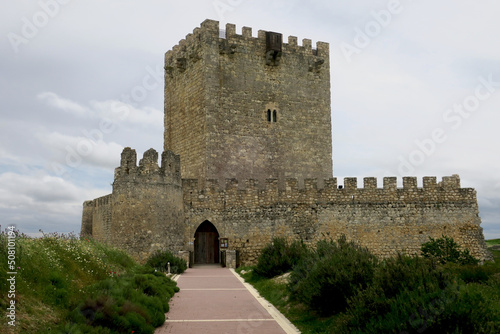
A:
x: 53, y: 274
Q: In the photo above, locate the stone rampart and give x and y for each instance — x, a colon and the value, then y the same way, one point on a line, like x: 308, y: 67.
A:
x: 151, y: 208
x: 387, y: 220
x: 96, y: 219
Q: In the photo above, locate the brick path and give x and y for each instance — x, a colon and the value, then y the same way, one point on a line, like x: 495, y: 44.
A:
x: 216, y: 300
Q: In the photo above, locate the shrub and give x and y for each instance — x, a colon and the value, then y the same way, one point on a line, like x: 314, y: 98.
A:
x: 279, y: 257
x: 404, y: 289
x: 446, y: 250
x: 332, y: 274
x: 471, y: 273
x: 471, y: 312
x: 160, y: 259
x: 68, y: 284
x: 136, y: 302
x: 413, y: 295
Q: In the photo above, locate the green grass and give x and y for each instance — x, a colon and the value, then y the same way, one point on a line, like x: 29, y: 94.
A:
x: 496, y: 264
x: 492, y: 242
x: 57, y: 274
x: 276, y: 293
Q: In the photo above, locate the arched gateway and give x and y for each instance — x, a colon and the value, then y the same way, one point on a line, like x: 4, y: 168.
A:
x: 206, y: 244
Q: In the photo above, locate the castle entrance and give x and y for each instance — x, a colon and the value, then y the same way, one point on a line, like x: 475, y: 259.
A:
x: 206, y: 244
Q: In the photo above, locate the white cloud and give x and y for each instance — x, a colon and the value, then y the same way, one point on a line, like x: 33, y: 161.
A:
x: 119, y: 111
x: 41, y: 193
x: 110, y: 110
x: 60, y: 103
x: 37, y: 200
x: 75, y: 151
x: 19, y: 190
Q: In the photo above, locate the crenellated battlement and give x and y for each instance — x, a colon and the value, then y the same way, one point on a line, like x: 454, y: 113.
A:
x: 209, y: 35
x: 210, y: 193
x: 148, y: 168
x: 321, y: 49
x: 251, y: 194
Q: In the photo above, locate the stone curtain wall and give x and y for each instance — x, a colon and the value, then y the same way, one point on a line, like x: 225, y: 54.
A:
x: 387, y: 220
x: 252, y: 194
x: 96, y: 218
x: 152, y: 208
x: 218, y: 92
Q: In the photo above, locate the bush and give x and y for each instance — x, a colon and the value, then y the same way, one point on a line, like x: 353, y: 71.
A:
x: 446, y: 250
x: 332, y: 274
x: 403, y: 291
x: 471, y: 273
x: 160, y: 259
x: 413, y: 295
x: 279, y: 257
x: 471, y: 312
x: 136, y: 302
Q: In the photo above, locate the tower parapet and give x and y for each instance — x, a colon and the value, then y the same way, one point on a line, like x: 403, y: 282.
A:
x: 147, y: 206
x: 148, y: 170
x: 229, y: 42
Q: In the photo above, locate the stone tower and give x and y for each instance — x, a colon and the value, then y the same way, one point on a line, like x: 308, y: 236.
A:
x: 244, y: 107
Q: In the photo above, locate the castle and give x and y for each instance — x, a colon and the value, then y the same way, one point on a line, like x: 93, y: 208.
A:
x: 248, y: 156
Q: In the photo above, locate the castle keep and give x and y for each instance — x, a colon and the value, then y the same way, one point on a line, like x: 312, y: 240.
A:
x: 248, y: 156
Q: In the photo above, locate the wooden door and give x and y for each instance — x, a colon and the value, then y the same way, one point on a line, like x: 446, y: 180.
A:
x: 206, y: 247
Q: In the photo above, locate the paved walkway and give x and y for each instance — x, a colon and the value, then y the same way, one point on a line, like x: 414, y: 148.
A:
x: 217, y: 300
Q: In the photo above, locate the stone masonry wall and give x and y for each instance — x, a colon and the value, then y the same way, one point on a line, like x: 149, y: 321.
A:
x: 220, y: 88
x: 386, y: 220
x: 96, y: 219
x: 152, y: 208
x: 147, y: 205
x: 185, y: 111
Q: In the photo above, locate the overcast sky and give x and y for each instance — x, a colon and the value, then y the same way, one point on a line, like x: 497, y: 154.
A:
x: 415, y: 91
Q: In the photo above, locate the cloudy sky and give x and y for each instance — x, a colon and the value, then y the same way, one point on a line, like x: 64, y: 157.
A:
x: 415, y: 91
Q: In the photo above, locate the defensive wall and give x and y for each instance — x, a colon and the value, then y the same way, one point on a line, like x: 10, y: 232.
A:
x: 151, y: 208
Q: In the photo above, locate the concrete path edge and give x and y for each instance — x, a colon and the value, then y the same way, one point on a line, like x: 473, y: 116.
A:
x: 284, y: 323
